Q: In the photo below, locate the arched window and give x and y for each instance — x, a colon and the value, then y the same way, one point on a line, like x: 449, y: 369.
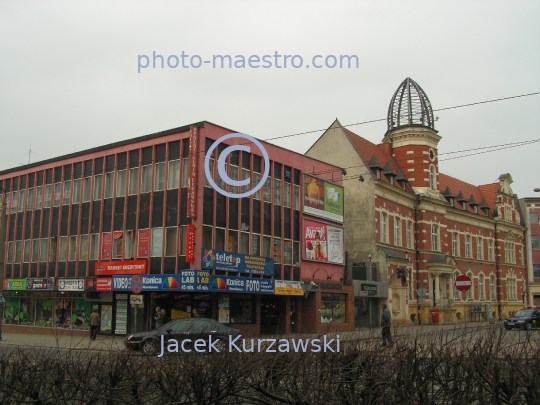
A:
x: 457, y: 293
x: 432, y: 178
x: 492, y: 287
x: 470, y: 296
x: 481, y: 290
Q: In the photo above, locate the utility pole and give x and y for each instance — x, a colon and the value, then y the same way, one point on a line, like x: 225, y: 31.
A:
x: 2, y: 250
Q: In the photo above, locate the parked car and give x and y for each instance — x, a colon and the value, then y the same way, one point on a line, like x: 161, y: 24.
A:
x: 181, y: 329
x: 525, y: 319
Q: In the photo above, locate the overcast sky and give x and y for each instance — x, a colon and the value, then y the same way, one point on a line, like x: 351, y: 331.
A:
x: 69, y: 76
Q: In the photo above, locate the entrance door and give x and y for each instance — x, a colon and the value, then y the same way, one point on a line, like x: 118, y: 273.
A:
x: 269, y: 315
x: 361, y: 312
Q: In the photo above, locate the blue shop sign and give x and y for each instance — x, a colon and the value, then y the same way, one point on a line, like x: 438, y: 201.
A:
x: 150, y: 282
x: 236, y: 262
x: 194, y: 280
x: 241, y: 285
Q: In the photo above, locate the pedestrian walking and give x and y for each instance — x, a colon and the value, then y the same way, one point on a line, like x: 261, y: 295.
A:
x: 156, y: 316
x: 95, y: 321
x: 386, y: 322
x: 160, y: 317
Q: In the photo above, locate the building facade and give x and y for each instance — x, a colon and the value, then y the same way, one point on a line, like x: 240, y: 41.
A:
x: 138, y: 224
x: 419, y: 229
x: 530, y: 207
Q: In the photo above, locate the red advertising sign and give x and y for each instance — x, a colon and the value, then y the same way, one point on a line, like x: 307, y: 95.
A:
x: 144, y: 243
x: 463, y: 283
x: 121, y: 267
x: 190, y: 243
x: 192, y: 182
x: 106, y: 246
x: 315, y: 241
x: 103, y: 284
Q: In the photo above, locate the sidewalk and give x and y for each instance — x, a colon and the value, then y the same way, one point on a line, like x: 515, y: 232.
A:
x: 64, y: 340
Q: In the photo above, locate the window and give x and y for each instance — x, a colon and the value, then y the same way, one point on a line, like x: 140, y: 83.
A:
x: 232, y: 241
x: 48, y: 196
x: 469, y: 292
x: 468, y: 246
x: 86, y: 189
x: 97, y: 187
x: 536, y: 270
x: 490, y: 250
x: 287, y: 252
x: 9, y: 252
x: 268, y: 190
x: 52, y: 250
x: 277, y: 250
x: 62, y: 249
x: 22, y: 200
x: 479, y: 248
x: 432, y: 178
x: 18, y: 251
x: 26, y: 251
x: 220, y: 239
x: 170, y: 241
x: 211, y: 170
x: 492, y: 287
x: 30, y: 205
x: 383, y: 227
x: 511, y: 289
x: 481, y: 290
x: 287, y: 194
x: 185, y: 173
x: 118, y: 245
x: 35, y: 251
x: 266, y: 246
x: 332, y: 308
x: 457, y: 293
x: 533, y: 217
x: 133, y: 181
x: 534, y: 241
x: 83, y: 248
x: 121, y: 183
x: 509, y: 251
x: 245, y: 175
x: 409, y: 235
x: 39, y: 197
x: 173, y: 177
x: 43, y: 250
x: 72, y: 248
x: 277, y: 191
x: 397, y: 231
x: 182, y: 239
x: 157, y: 242
x: 94, y: 246
x: 109, y: 185
x: 207, y: 241
x: 256, y: 245
x: 146, y: 179
x: 233, y: 174
x: 435, y: 237
x: 13, y: 202
x: 129, y: 245
x: 159, y: 177
x: 256, y: 181
x: 67, y: 192
x: 76, y: 193
x: 244, y: 243
x: 455, y: 244
x: 296, y: 197
x: 57, y: 194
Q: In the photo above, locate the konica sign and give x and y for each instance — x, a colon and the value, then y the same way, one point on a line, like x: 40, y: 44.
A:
x: 241, y: 285
x: 142, y: 283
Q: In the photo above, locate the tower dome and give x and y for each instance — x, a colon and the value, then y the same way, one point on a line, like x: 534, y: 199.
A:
x: 410, y: 106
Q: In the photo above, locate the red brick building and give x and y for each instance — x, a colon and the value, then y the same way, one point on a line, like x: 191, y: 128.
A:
x: 530, y: 207
x: 418, y: 229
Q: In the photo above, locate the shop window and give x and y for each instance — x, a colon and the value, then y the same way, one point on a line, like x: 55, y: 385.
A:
x: 73, y: 247
x: 76, y: 193
x: 238, y: 308
x: 57, y: 194
x: 86, y: 189
x: 121, y: 183
x: 173, y: 176
x: 159, y: 177
x: 146, y: 179
x: 157, y: 242
x: 97, y: 187
x: 333, y: 308
x: 170, y: 241
x: 133, y: 181
x: 83, y: 248
x: 67, y: 193
x: 39, y: 197
x: 94, y: 246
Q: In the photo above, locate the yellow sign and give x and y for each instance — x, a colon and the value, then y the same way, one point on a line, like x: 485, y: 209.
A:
x: 175, y: 314
x: 282, y: 287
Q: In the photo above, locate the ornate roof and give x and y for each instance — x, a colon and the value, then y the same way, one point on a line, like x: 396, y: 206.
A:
x: 410, y: 106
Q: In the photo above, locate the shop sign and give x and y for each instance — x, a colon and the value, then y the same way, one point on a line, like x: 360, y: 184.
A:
x: 190, y: 243
x: 103, y: 284
x: 288, y: 288
x: 241, y: 285
x: 121, y: 267
x: 157, y: 282
x: 71, y: 284
x: 323, y: 242
x: 331, y: 286
x: 194, y: 280
x: 236, y: 262
x: 46, y: 283
x: 192, y: 175
x: 370, y: 289
x: 14, y: 284
x: 323, y: 199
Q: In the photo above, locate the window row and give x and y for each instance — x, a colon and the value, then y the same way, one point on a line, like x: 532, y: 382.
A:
x: 481, y: 288
x: 399, y: 226
x: 468, y: 253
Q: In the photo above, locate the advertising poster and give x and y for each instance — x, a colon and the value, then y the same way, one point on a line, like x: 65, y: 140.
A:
x: 157, y: 282
x: 236, y: 262
x: 241, y: 285
x: 323, y: 199
x: 192, y: 182
x: 144, y: 243
x: 194, y: 280
x: 14, y: 284
x: 283, y: 287
x: 335, y: 244
x: 190, y: 243
x: 315, y: 241
x: 106, y: 244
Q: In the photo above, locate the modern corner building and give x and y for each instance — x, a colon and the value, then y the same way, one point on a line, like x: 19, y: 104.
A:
x: 530, y: 207
x: 137, y: 224
x: 418, y: 229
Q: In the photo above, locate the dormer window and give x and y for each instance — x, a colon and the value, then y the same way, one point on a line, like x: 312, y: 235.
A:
x: 464, y: 205
x: 486, y: 211
x: 387, y: 171
x: 378, y: 174
x: 475, y: 208
x: 374, y: 165
x: 451, y: 201
x: 391, y: 180
x: 462, y: 201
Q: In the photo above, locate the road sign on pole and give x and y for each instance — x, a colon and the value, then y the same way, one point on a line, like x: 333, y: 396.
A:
x: 463, y: 283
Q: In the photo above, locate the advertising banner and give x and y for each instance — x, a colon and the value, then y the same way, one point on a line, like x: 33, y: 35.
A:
x: 154, y: 282
x: 323, y: 242
x: 71, y: 284
x: 236, y: 262
x: 192, y: 179
x: 241, y: 285
x: 106, y: 245
x: 121, y: 267
x: 103, y: 284
x: 190, y: 243
x: 283, y: 287
x: 323, y: 199
x: 194, y: 280
x: 44, y: 284
x: 14, y: 284
x: 143, y: 243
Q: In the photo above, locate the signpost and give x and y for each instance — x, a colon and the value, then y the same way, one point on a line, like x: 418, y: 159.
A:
x: 463, y: 284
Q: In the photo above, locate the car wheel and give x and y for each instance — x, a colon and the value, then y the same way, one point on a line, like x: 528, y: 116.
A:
x: 508, y: 327
x: 149, y: 347
x: 528, y: 326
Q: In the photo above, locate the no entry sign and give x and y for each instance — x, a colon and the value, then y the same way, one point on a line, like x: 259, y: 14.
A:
x: 463, y: 283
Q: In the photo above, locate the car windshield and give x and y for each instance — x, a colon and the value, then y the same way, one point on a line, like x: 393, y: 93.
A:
x: 523, y: 314
x: 167, y: 325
